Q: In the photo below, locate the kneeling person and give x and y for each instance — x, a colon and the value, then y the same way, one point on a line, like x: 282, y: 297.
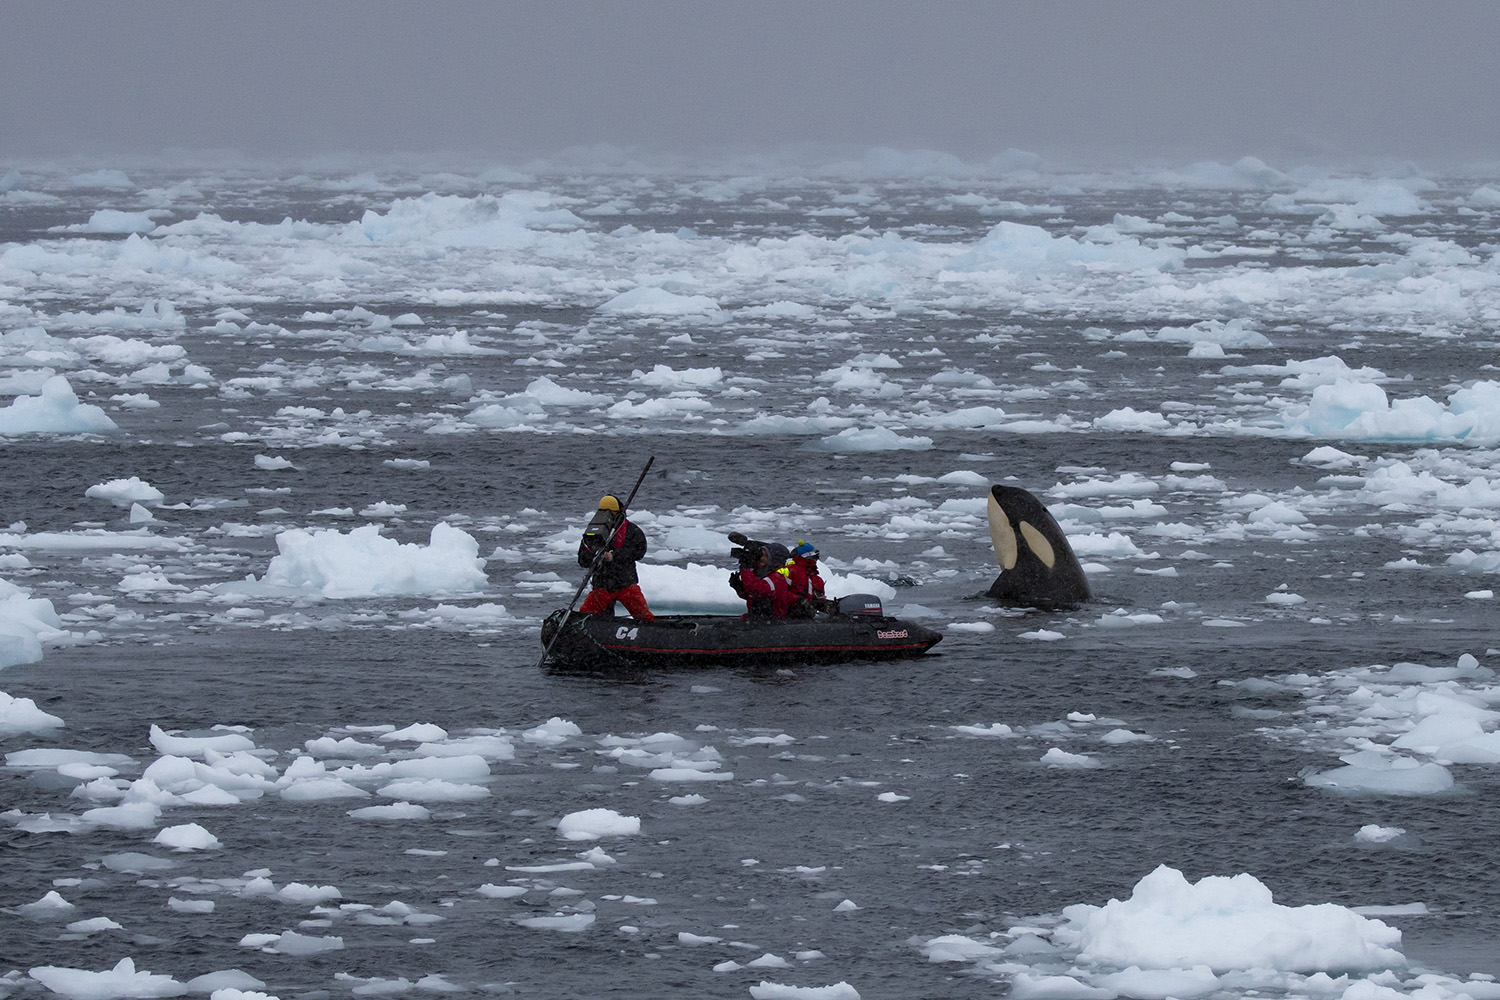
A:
x: 758, y: 582
x: 803, y: 582
x: 616, y: 544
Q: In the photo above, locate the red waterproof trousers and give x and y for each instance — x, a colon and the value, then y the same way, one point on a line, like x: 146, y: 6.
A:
x: 600, y: 602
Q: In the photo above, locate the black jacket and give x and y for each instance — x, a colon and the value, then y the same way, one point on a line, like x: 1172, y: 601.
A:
x: 619, y: 572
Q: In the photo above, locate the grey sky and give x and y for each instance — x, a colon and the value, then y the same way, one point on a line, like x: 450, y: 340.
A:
x: 1147, y: 79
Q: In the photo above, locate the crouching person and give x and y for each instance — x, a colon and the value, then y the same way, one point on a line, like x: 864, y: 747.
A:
x: 804, y: 583
x: 758, y: 582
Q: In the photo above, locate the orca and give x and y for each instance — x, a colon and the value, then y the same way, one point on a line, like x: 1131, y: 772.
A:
x: 1037, y: 565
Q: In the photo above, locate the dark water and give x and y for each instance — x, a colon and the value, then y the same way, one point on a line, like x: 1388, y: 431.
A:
x: 983, y: 837
x: 987, y: 838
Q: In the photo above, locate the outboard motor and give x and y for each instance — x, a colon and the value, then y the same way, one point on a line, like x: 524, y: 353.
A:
x: 860, y: 604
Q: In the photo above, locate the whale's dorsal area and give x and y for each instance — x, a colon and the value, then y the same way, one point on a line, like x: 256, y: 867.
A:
x: 1037, y: 565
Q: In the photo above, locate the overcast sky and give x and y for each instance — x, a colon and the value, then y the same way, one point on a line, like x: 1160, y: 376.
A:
x: 1141, y: 79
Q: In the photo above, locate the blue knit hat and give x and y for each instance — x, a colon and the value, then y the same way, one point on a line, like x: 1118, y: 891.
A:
x: 805, y: 550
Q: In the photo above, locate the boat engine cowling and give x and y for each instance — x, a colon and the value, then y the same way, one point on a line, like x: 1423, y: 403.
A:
x: 860, y: 604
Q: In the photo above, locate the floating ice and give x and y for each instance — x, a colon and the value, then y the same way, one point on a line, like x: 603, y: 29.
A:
x: 651, y: 301
x: 363, y: 563
x: 93, y: 925
x: 1225, y: 924
x: 396, y: 811
x: 768, y: 990
x: 1362, y: 411
x: 55, y: 411
x: 1369, y: 772
x: 994, y: 729
x: 1128, y: 419
x: 232, y: 993
x: 307, y: 895
x: 190, y: 905
x: 24, y: 622
x: 50, y: 905
x: 854, y: 439
x: 548, y: 393
x: 665, y: 377
x: 292, y: 943
x: 1057, y: 757
x: 126, y: 492
x: 197, y: 746
x: 552, y: 732
x: 491, y: 891
x: 20, y: 715
x: 114, y: 221
x: 433, y: 790
x: 570, y: 923
x: 229, y: 980
x: 187, y: 837
x: 593, y: 824
x: 1372, y: 833
x: 1031, y: 250
x: 120, y: 983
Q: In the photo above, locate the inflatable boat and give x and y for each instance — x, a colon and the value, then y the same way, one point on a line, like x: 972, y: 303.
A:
x: 859, y: 630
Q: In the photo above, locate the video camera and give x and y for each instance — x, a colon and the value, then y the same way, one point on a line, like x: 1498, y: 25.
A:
x: 746, y: 550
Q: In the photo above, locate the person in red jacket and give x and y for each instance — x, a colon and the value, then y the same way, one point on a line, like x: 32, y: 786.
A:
x: 803, y: 581
x: 616, y: 544
x: 765, y: 590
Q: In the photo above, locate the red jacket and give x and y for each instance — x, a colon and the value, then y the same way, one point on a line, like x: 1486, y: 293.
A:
x: 772, y: 588
x: 802, y: 578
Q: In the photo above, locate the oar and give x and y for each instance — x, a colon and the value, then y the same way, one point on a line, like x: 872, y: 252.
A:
x: 598, y: 558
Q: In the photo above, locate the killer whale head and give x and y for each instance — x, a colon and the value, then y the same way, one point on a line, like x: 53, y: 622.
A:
x: 1037, y: 565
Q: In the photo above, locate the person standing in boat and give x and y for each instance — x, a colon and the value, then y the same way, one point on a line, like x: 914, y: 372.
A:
x: 612, y: 545
x: 803, y: 581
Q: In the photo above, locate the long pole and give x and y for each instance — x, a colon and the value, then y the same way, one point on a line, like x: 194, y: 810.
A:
x: 598, y: 557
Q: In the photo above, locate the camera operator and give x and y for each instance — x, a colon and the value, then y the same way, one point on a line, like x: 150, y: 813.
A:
x: 765, y: 591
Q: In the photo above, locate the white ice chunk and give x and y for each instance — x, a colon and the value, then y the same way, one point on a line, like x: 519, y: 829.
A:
x: 570, y: 923
x: 55, y: 411
x: 187, y: 837
x: 363, y: 563
x: 552, y: 732
x: 197, y: 746
x: 124, y: 492
x: 434, y: 790
x: 593, y: 824
x: 1368, y: 772
x: 20, y: 715
x: 651, y: 301
x: 1225, y: 924
x: 50, y: 905
x: 396, y: 811
x: 1057, y: 757
x: 307, y: 895
x: 768, y: 990
x: 123, y: 981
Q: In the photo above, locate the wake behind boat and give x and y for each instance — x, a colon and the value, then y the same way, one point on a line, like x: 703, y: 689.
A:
x: 859, y: 631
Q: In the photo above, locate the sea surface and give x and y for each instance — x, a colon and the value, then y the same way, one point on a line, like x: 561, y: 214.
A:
x: 849, y: 356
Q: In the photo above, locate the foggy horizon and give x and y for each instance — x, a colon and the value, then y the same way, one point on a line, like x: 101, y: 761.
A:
x: 1161, y: 81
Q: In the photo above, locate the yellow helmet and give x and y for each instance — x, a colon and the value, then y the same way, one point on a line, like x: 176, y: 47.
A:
x: 608, y: 502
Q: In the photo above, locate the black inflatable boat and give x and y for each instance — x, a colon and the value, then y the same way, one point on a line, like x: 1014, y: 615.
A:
x: 859, y: 631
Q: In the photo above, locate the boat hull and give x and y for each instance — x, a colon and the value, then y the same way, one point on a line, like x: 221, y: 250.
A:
x: 593, y: 642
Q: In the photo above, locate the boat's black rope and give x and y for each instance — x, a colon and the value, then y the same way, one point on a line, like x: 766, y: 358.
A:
x: 603, y: 656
